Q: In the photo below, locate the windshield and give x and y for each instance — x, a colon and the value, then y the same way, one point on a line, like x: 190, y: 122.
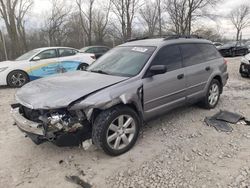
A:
x: 27, y: 55
x: 122, y: 61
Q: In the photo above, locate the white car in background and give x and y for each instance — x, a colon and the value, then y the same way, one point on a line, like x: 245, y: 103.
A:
x: 42, y: 62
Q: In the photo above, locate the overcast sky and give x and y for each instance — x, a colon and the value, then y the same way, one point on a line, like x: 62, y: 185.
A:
x: 221, y: 24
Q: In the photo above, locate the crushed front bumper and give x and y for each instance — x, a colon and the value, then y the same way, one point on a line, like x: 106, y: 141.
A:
x: 37, y: 133
x: 26, y: 125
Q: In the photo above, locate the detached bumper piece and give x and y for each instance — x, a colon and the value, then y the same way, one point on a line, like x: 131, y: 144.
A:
x: 245, y: 69
x: 38, y: 133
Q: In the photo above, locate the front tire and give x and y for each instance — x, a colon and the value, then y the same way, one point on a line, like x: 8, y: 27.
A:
x: 116, y: 130
x: 17, y: 78
x: 213, y: 95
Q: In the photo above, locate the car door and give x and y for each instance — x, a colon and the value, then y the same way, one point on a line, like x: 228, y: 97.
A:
x: 198, y: 69
x: 67, y: 60
x: 96, y: 51
x: 45, y: 63
x: 165, y: 91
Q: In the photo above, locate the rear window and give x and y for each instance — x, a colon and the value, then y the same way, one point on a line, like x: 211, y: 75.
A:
x: 209, y: 52
x: 191, y: 54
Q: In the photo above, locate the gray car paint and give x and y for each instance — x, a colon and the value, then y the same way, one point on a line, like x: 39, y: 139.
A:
x: 61, y: 90
x: 150, y: 95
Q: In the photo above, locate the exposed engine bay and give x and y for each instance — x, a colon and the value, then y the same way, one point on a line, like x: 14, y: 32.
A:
x: 63, y: 127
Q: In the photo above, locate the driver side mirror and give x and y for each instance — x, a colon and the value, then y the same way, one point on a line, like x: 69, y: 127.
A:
x: 37, y: 58
x: 158, y: 69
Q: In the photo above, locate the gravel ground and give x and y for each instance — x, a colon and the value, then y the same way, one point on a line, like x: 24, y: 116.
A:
x: 175, y: 150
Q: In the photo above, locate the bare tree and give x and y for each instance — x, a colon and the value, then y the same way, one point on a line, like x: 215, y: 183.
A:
x: 13, y: 13
x: 149, y: 14
x: 100, y: 23
x: 125, y: 12
x: 54, y: 26
x: 183, y: 12
x: 159, y: 9
x: 240, y: 18
x: 86, y: 16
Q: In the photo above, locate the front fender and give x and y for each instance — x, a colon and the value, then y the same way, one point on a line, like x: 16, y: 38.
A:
x: 124, y: 93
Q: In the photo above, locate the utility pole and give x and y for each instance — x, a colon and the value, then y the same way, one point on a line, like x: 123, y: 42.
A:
x: 4, y: 45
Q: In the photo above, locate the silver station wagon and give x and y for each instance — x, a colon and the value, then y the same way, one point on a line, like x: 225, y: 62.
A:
x: 130, y: 84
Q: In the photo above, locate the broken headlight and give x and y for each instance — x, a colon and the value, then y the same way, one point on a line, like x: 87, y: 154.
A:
x: 63, y: 120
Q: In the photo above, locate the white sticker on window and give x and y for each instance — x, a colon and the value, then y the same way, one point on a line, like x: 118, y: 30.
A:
x: 140, y: 49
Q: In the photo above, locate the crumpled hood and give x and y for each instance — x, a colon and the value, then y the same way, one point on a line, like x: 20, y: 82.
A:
x: 61, y: 90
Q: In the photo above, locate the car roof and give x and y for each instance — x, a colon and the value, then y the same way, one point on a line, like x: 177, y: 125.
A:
x: 96, y: 46
x: 162, y: 42
x: 54, y: 47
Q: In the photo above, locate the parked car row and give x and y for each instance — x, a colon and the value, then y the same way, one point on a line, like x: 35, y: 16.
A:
x: 232, y: 49
x: 115, y: 95
x: 43, y: 62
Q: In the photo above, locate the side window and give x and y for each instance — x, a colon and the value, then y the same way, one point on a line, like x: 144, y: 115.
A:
x: 47, y: 54
x: 209, y: 52
x: 169, y: 56
x: 91, y: 50
x: 66, y: 52
x: 104, y: 49
x: 191, y: 54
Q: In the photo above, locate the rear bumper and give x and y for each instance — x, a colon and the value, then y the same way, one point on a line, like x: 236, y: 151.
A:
x: 244, y: 68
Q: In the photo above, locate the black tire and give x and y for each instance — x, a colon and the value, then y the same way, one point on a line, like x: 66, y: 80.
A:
x: 17, y: 78
x: 83, y: 66
x: 102, y: 126
x: 243, y: 75
x: 206, y: 103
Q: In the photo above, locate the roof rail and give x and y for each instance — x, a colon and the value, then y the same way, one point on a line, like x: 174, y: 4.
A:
x: 182, y: 36
x: 137, y: 38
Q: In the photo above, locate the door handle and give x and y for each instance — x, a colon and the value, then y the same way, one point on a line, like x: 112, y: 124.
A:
x: 207, y: 68
x: 180, y: 76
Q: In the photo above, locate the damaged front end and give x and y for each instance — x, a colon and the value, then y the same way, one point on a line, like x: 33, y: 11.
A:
x: 60, y: 126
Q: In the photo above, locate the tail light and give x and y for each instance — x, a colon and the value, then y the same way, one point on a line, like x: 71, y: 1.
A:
x: 93, y: 57
x: 225, y: 61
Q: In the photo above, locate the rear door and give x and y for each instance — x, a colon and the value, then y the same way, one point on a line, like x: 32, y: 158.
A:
x: 165, y: 91
x: 48, y: 64
x: 198, y: 60
x: 68, y: 61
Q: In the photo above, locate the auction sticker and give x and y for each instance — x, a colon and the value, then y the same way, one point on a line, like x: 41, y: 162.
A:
x: 140, y: 49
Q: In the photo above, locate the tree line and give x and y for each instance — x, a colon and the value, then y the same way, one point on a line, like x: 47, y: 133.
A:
x: 80, y: 23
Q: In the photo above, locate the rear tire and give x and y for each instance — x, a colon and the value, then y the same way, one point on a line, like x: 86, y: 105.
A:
x: 17, y: 79
x: 213, y: 95
x: 243, y: 75
x: 83, y: 66
x: 116, y: 130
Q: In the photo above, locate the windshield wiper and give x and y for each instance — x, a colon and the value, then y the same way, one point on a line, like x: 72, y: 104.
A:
x: 99, y: 71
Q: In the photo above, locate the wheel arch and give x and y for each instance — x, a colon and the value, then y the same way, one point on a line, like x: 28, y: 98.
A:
x: 97, y: 111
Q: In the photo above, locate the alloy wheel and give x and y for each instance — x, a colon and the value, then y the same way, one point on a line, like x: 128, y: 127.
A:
x: 18, y: 79
x: 121, y: 132
x: 213, y: 94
